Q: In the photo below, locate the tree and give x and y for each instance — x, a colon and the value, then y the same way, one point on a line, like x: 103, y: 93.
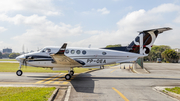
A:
x: 156, y: 52
x: 116, y: 45
x: 13, y: 55
x: 170, y: 55
x: 5, y: 55
x: 0, y: 55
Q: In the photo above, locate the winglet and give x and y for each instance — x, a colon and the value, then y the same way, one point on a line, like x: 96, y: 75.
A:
x: 62, y: 49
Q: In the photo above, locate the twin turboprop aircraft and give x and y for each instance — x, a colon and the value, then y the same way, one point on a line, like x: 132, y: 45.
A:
x: 66, y: 58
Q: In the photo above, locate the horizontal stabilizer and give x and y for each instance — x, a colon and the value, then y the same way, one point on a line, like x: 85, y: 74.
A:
x: 160, y: 30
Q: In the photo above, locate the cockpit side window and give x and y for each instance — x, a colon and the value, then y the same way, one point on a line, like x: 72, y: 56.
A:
x: 47, y: 50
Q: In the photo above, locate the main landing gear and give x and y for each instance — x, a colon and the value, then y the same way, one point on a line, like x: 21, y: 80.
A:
x: 19, y: 72
x: 68, y: 76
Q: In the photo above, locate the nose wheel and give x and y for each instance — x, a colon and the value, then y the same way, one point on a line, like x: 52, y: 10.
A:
x: 19, y: 72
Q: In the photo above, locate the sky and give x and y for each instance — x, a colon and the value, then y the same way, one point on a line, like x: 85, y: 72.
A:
x: 39, y: 23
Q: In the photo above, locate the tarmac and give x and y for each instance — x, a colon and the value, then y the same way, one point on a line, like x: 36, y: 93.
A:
x: 117, y: 83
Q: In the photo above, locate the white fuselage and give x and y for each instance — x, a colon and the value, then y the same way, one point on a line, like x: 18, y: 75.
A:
x: 88, y: 57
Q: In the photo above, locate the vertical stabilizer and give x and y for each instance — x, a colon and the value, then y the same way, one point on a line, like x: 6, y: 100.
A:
x: 145, y: 40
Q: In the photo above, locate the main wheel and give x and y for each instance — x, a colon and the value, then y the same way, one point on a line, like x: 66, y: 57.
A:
x: 19, y: 72
x: 67, y: 76
x: 72, y: 72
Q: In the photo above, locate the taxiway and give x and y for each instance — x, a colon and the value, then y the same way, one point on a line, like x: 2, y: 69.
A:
x: 110, y: 84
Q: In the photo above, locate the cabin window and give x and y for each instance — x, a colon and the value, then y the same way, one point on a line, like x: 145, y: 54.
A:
x: 72, y: 51
x: 104, y: 53
x: 67, y: 51
x: 78, y: 51
x: 84, y: 52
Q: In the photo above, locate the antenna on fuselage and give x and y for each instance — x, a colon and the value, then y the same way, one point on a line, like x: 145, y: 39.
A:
x: 89, y: 46
x: 23, y: 49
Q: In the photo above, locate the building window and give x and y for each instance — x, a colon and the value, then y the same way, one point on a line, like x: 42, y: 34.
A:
x: 104, y: 53
x: 67, y: 51
x: 84, y: 52
x: 72, y: 51
x: 78, y: 51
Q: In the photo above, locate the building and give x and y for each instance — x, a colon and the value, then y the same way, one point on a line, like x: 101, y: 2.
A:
x: 177, y: 50
x: 7, y: 50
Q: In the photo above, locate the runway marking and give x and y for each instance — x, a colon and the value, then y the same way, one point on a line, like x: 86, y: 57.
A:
x: 114, y: 67
x: 65, y: 83
x: 54, y: 79
x: 51, y: 80
x: 47, y: 78
x: 56, y: 83
x: 125, y: 99
x: 113, y: 70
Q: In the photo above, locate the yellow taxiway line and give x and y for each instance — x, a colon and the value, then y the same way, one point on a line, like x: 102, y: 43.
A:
x: 113, y: 70
x: 47, y: 79
x: 54, y: 79
x: 125, y: 99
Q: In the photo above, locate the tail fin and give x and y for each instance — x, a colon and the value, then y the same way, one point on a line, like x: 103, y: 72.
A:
x: 144, y: 41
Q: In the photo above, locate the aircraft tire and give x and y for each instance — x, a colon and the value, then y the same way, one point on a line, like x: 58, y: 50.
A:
x: 67, y: 76
x: 72, y: 72
x: 19, y: 72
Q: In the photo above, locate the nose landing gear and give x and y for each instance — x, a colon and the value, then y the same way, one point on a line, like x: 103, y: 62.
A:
x: 19, y: 72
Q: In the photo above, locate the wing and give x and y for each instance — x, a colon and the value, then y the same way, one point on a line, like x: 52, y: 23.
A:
x: 62, y: 59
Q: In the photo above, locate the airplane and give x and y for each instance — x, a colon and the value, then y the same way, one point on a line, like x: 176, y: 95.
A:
x: 66, y: 58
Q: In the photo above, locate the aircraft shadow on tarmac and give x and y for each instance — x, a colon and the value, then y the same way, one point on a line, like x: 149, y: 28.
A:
x: 83, y: 84
x: 86, y: 84
x: 133, y: 78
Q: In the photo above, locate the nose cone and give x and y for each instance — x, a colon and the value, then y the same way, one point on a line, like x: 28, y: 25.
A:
x: 20, y: 58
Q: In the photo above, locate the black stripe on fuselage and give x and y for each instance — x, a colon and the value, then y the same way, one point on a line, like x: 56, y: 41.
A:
x: 37, y: 56
x: 40, y: 60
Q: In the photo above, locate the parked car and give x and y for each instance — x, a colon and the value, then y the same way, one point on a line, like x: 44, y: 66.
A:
x: 159, y: 60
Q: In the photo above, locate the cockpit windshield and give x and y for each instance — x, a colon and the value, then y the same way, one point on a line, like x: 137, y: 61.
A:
x: 40, y: 50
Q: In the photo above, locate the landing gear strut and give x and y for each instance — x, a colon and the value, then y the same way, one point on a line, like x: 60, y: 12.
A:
x: 68, y: 76
x: 19, y: 72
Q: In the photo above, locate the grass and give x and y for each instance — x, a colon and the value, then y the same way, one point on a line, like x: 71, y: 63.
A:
x: 8, y: 60
x: 13, y: 67
x: 174, y: 90
x: 25, y: 93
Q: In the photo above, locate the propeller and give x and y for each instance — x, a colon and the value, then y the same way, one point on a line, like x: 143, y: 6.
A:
x: 27, y: 58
